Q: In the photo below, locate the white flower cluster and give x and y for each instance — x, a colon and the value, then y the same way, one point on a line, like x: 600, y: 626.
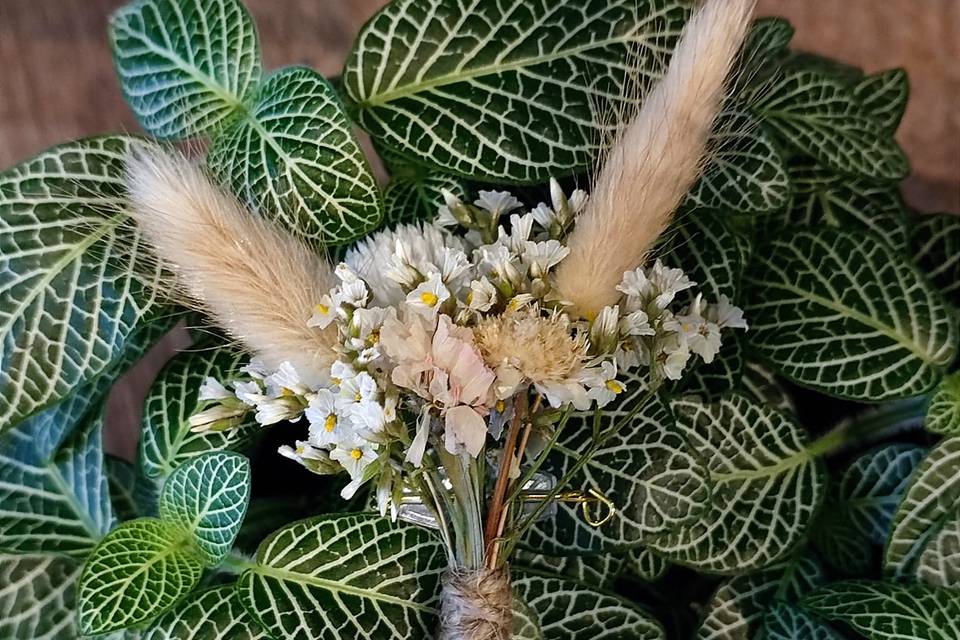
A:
x: 438, y: 332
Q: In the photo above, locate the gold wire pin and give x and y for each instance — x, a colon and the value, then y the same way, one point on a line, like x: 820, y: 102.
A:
x: 602, y: 513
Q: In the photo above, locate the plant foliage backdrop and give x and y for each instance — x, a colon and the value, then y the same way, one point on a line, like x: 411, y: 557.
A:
x: 802, y: 485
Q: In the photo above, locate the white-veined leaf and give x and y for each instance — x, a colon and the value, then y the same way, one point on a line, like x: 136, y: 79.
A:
x: 54, y: 497
x: 122, y: 482
x: 69, y: 296
x: 418, y: 197
x: 137, y: 572
x: 819, y: 115
x: 707, y: 250
x: 598, y: 571
x: 166, y: 440
x: 357, y: 576
x: 646, y: 468
x: 762, y: 385
x: 503, y: 91
x: 943, y: 412
x: 788, y: 622
x: 847, y: 316
x: 739, y: 607
x: 884, y: 96
x: 207, y: 496
x: 213, y: 614
x: 185, y: 66
x: 860, y: 507
x: 930, y: 502
x: 935, y: 240
x: 888, y: 611
x: 765, y: 486
x: 566, y: 609
x: 37, y: 597
x: 294, y: 158
x: 645, y: 564
x: 939, y: 563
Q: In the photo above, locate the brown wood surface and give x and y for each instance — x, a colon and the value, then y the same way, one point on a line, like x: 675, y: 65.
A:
x: 57, y: 83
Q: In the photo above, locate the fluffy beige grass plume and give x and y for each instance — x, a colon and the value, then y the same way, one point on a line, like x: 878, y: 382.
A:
x: 654, y: 160
x: 256, y: 281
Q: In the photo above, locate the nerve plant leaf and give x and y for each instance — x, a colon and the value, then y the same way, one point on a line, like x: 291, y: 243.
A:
x: 566, y: 609
x: 765, y: 487
x: 819, y: 115
x: 146, y: 566
x: 213, y: 614
x: 884, y: 96
x: 293, y: 157
x: 418, y: 196
x: 37, y: 597
x: 885, y: 611
x: 943, y: 412
x: 503, y: 91
x: 939, y: 563
x: 847, y: 317
x: 935, y: 244
x: 166, y: 441
x: 646, y: 468
x: 69, y: 296
x: 355, y: 575
x: 598, y: 571
x: 54, y: 498
x: 186, y: 66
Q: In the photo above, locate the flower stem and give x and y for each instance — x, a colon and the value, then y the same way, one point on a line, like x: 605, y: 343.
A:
x: 495, y: 508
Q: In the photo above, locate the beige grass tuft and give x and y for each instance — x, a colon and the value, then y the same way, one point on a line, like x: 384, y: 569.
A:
x: 257, y: 282
x: 654, y: 160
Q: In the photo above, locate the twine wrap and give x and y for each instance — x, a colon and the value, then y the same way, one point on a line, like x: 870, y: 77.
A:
x: 475, y: 604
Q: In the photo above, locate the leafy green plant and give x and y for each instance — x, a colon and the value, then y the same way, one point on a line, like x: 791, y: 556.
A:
x: 803, y: 484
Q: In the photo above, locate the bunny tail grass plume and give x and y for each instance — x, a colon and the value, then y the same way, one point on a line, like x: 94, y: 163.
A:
x: 258, y: 282
x: 655, y: 159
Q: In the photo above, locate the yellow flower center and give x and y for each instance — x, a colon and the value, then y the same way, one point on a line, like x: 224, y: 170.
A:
x: 331, y: 423
x: 429, y: 298
x: 615, y: 386
x: 501, y: 405
x: 373, y: 338
x: 356, y: 454
x: 286, y: 392
x: 322, y: 309
x: 470, y: 298
x: 336, y: 381
x: 357, y: 397
x: 299, y: 451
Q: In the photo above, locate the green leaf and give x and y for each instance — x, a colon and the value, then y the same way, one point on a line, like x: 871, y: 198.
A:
x: 846, y: 316
x: 943, y: 412
x: 860, y: 507
x: 357, y: 576
x: 929, y: 503
x: 70, y: 293
x: 185, y: 66
x: 887, y: 611
x: 503, y: 91
x: 704, y: 244
x: 739, y: 607
x: 208, y: 497
x: 939, y: 563
x: 137, y: 572
x: 721, y: 376
x: 765, y: 486
x: 762, y: 385
x: 824, y: 198
x: 166, y: 440
x: 820, y: 116
x: 598, y: 571
x: 418, y: 197
x: 54, y: 499
x: 213, y: 614
x: 567, y: 610
x: 745, y: 174
x: 122, y: 482
x: 768, y: 37
x: 645, y: 564
x: 884, y: 96
x: 37, y: 597
x: 787, y: 622
x: 645, y: 468
x: 293, y: 157
x: 935, y: 240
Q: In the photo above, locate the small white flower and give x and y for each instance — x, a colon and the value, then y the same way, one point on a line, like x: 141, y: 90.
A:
x: 212, y: 389
x: 605, y: 329
x: 497, y: 202
x: 358, y: 388
x: 345, y: 273
x: 482, y: 296
x: 326, y: 425
x: 701, y: 336
x: 355, y: 456
x: 578, y: 200
x: 670, y: 355
x: 217, y: 418
x: 559, y: 394
x: 668, y: 283
x: 497, y: 261
x: 367, y: 417
x: 429, y: 295
x: 520, y: 229
x: 324, y: 312
x: 544, y: 215
x: 543, y: 256
x: 725, y: 315
x: 602, y: 382
x: 255, y: 369
x: 353, y: 293
x: 274, y: 410
x: 315, y: 459
x: 248, y: 392
x: 636, y: 324
x: 285, y: 381
x: 636, y: 286
x: 453, y: 264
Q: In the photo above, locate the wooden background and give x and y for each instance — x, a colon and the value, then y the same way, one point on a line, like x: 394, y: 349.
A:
x: 57, y: 83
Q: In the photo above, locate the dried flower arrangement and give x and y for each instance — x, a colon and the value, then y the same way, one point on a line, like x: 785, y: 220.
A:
x: 548, y: 383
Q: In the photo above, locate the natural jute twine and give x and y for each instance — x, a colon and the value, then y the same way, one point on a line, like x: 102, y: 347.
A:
x: 475, y: 604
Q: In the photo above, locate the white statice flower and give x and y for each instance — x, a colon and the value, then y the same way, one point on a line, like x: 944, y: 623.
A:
x: 429, y: 295
x: 256, y: 369
x: 520, y: 229
x: 668, y: 283
x: 544, y: 215
x: 454, y: 265
x: 602, y: 384
x: 605, y: 330
x: 313, y: 458
x: 340, y: 371
x: 701, y: 336
x: 327, y: 425
x: 497, y: 202
x: 636, y: 287
x: 496, y: 261
x: 670, y: 355
x: 367, y: 417
x: 247, y: 391
x: 725, y: 315
x: 285, y: 381
x: 212, y: 389
x: 404, y: 254
x: 541, y: 257
x: 356, y: 389
x: 354, y: 455
x: 565, y: 392
x: 636, y: 323
x: 219, y: 417
x: 352, y: 290
x: 324, y: 312
x: 274, y: 410
x: 482, y: 295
